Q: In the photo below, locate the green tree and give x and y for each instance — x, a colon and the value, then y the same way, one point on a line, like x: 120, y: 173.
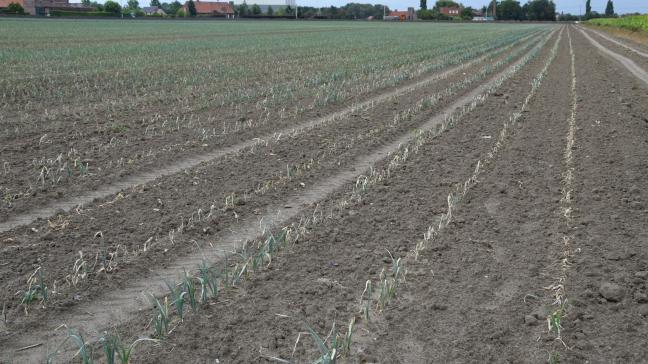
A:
x: 180, y: 13
x: 86, y: 2
x: 361, y: 11
x: 423, y: 4
x: 191, y: 8
x: 509, y: 10
x: 541, y: 10
x: 15, y: 8
x: 588, y: 9
x: 243, y: 9
x: 256, y: 10
x: 567, y: 17
x: 133, y: 4
x: 425, y: 14
x: 156, y: 3
x: 270, y: 10
x: 493, y: 7
x: 112, y: 7
x: 609, y: 9
x: 467, y: 13
x: 289, y: 11
x: 445, y: 4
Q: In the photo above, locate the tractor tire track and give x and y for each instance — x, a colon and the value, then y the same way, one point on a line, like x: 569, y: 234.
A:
x: 626, y: 62
x: 607, y: 316
x: 619, y: 43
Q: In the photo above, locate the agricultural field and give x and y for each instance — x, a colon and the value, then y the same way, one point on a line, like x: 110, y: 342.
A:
x: 300, y: 192
x: 634, y: 23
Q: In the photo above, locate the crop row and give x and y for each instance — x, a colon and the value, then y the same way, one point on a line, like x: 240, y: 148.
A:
x: 333, y: 153
x: 254, y: 256
x: 73, y: 165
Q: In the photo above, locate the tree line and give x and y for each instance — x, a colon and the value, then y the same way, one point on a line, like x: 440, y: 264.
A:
x: 348, y: 11
x: 175, y: 8
x: 545, y: 10
x: 541, y: 10
x: 592, y: 14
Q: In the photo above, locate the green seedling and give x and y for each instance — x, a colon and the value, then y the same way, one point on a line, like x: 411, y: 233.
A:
x: 162, y: 317
x: 84, y: 352
x: 37, y: 289
x: 177, y: 299
x: 346, y: 344
x: 110, y: 344
x: 113, y: 344
x: 328, y: 354
x: 227, y: 280
x: 367, y: 296
x: 190, y: 290
x: 554, y: 358
x: 554, y: 321
x: 209, y: 280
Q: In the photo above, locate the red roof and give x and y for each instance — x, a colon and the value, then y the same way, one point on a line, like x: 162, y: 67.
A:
x: 5, y: 3
x: 398, y: 13
x: 208, y: 7
x: 450, y: 10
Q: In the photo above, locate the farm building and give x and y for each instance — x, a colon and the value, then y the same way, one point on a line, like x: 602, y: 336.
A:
x: 43, y: 7
x: 210, y: 8
x: 450, y: 11
x: 264, y: 4
x: 153, y: 10
x: 408, y: 15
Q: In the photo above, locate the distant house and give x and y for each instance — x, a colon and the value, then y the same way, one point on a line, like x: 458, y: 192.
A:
x: 153, y: 10
x: 209, y: 8
x: 264, y: 4
x: 450, y: 11
x: 408, y: 15
x: 43, y: 7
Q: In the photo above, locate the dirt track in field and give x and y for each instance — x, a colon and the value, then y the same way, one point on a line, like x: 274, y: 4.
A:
x: 633, y: 48
x: 480, y: 292
x: 632, y: 66
x: 611, y: 160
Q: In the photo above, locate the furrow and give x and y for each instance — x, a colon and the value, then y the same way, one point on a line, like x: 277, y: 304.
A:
x: 125, y: 302
x: 190, y: 162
